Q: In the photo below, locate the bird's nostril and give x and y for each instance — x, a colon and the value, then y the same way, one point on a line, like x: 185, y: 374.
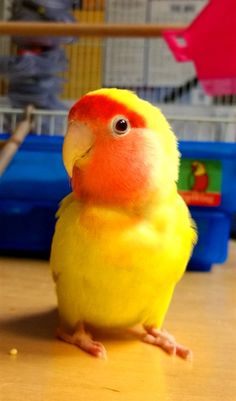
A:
x: 86, y: 153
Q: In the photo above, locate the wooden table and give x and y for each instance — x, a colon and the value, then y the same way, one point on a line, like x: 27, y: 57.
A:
x: 202, y: 315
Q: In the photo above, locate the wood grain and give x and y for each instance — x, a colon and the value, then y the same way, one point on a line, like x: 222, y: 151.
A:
x: 202, y: 315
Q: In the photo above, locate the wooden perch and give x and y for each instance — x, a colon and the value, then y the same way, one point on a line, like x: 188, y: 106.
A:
x: 16, y: 139
x: 81, y: 29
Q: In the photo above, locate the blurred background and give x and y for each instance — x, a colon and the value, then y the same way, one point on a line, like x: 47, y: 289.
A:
x: 51, y: 73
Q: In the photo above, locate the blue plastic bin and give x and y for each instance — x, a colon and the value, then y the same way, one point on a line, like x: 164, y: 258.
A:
x: 226, y: 153
x: 36, y: 181
x: 30, y: 191
x: 214, y: 223
x: 36, y: 174
x: 26, y: 227
x: 212, y: 247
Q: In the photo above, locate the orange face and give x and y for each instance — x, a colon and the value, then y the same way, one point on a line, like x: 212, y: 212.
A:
x: 117, y: 158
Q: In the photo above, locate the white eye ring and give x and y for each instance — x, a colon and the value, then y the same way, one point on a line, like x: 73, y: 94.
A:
x: 120, y: 126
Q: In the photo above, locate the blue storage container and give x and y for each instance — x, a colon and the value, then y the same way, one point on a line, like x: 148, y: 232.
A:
x: 36, y: 181
x: 214, y: 223
x: 225, y: 153
x: 233, y: 227
x: 26, y: 227
x: 30, y: 191
x: 212, y: 247
x: 36, y: 174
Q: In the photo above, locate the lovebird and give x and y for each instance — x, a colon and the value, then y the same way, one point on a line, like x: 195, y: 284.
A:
x: 124, y: 235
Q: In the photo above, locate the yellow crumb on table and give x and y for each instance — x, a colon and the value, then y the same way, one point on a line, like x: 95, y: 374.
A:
x: 13, y: 351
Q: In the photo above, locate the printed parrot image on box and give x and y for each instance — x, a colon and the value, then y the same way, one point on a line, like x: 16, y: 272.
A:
x: 200, y: 182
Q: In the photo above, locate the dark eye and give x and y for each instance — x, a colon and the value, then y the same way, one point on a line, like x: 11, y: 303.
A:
x: 120, y: 125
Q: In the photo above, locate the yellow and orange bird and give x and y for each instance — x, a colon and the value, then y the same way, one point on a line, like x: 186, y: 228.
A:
x: 123, y: 236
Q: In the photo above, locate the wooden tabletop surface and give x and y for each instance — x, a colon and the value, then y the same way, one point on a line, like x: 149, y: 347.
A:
x: 202, y: 315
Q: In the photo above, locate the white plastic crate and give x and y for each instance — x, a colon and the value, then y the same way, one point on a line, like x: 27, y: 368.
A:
x: 190, y: 123
x: 45, y: 122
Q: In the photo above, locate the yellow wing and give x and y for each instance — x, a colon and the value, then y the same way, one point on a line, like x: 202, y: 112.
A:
x: 58, y: 241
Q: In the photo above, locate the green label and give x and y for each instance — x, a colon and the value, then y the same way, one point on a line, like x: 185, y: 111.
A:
x: 200, y: 182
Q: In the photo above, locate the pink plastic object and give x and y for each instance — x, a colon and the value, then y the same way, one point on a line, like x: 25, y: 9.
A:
x: 210, y: 42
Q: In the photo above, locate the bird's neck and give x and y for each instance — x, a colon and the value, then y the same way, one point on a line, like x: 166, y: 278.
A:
x: 143, y: 207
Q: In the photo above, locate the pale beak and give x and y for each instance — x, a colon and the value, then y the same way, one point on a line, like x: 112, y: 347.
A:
x: 77, y: 145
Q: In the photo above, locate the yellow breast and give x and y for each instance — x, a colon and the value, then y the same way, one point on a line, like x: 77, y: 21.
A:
x: 110, y: 266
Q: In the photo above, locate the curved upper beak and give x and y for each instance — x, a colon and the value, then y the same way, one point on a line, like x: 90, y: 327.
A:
x: 77, y: 144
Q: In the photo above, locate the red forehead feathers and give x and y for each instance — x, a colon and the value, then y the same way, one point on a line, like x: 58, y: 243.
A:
x: 102, y: 107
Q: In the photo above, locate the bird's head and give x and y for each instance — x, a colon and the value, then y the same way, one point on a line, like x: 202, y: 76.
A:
x: 119, y: 149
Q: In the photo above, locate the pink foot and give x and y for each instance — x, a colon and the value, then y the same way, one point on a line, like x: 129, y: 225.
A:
x: 83, y: 340
x: 166, y: 341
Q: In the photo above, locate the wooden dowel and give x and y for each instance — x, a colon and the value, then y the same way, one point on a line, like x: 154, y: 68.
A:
x: 80, y: 29
x: 13, y: 143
